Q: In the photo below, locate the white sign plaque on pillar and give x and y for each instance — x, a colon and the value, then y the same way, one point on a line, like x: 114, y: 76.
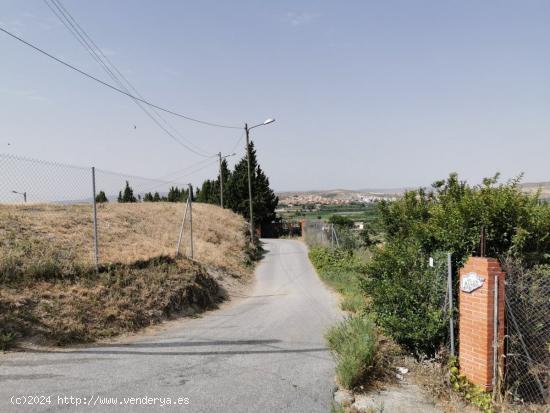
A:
x: 471, y: 282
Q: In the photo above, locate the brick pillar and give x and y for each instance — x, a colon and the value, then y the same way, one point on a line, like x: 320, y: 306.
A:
x: 476, y: 319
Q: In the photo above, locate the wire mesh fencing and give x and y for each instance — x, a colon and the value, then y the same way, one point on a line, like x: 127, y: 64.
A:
x: 138, y: 217
x: 321, y: 233
x: 527, y: 361
x: 47, y: 215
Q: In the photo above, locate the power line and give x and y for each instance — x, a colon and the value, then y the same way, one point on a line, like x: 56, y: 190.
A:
x: 179, y: 171
x: 97, y: 54
x: 238, y: 142
x: 36, y: 48
x: 182, y: 176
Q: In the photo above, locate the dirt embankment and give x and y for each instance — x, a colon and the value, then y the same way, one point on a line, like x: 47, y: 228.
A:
x: 50, y: 292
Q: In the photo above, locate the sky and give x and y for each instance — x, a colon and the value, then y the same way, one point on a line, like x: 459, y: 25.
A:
x: 366, y: 94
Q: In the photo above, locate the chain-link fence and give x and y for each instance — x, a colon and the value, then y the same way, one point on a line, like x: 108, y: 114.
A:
x: 527, y: 367
x: 321, y: 233
x: 47, y: 214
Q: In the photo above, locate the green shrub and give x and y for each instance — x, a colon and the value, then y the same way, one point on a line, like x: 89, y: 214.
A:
x: 327, y: 259
x: 342, y: 270
x: 474, y: 394
x: 7, y: 339
x: 355, y: 344
x: 407, y: 297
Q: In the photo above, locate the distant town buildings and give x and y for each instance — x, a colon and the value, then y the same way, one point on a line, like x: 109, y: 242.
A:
x: 308, y: 199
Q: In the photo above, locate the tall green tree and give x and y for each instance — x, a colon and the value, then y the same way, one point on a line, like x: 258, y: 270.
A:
x: 264, y: 200
x: 127, y: 195
x: 225, y: 176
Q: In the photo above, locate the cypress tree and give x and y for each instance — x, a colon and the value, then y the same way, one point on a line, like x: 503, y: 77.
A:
x: 127, y: 195
x: 264, y: 201
x: 101, y: 197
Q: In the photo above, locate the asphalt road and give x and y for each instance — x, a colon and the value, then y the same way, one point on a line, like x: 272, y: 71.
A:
x: 263, y: 352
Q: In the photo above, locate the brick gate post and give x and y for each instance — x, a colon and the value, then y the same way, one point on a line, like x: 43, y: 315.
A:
x: 476, y: 319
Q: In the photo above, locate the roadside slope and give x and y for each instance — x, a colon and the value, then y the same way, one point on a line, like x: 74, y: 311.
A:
x: 50, y: 292
x: 263, y: 352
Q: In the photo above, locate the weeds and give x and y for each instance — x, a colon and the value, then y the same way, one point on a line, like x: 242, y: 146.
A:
x: 355, y: 344
x: 341, y: 270
x: 7, y: 340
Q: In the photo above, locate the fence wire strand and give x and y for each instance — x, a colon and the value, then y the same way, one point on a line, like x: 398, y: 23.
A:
x: 48, y: 203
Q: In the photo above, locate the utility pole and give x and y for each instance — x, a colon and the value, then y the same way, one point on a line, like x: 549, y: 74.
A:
x: 221, y: 180
x: 247, y: 130
x: 249, y: 182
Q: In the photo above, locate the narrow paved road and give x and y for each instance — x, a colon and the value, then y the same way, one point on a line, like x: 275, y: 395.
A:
x: 263, y: 353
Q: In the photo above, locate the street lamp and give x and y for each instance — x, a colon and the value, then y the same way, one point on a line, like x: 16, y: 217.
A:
x: 247, y: 129
x: 221, y: 177
x: 21, y: 193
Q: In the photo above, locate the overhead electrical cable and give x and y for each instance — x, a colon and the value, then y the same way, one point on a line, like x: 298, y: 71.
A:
x: 237, y: 142
x: 70, y: 66
x: 109, y: 67
x: 182, y: 170
x: 177, y: 180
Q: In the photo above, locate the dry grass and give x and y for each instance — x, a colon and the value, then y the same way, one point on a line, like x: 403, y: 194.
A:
x: 127, y: 233
x: 125, y: 298
x: 49, y: 289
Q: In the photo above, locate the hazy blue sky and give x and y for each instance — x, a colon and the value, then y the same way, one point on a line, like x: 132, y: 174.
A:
x: 366, y: 93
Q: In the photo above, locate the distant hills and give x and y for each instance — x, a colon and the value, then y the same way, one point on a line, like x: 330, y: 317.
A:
x: 356, y: 194
x: 532, y: 187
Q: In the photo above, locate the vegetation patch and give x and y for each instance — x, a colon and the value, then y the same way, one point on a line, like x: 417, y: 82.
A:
x: 50, y: 292
x: 354, y: 341
x: 122, y: 298
x: 406, y: 295
x: 341, y: 270
x: 474, y: 394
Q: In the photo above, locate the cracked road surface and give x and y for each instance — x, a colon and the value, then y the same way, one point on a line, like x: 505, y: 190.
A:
x: 263, y: 352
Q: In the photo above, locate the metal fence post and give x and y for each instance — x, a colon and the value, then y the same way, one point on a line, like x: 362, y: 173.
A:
x: 495, y: 333
x: 181, y: 228
x: 450, y: 292
x: 336, y: 237
x: 96, y: 248
x: 190, y: 197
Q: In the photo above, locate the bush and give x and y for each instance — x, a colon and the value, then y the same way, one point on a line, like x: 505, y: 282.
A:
x: 341, y: 269
x: 7, y: 340
x: 407, y: 296
x: 355, y: 344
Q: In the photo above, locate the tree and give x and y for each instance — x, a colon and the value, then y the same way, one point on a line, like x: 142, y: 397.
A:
x: 209, y: 192
x: 341, y: 221
x: 148, y: 197
x: 156, y: 197
x: 226, y: 175
x: 264, y: 200
x: 127, y: 196
x: 405, y: 293
x: 101, y: 197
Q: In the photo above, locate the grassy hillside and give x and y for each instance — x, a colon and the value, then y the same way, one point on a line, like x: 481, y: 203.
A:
x: 50, y: 291
x: 63, y: 234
